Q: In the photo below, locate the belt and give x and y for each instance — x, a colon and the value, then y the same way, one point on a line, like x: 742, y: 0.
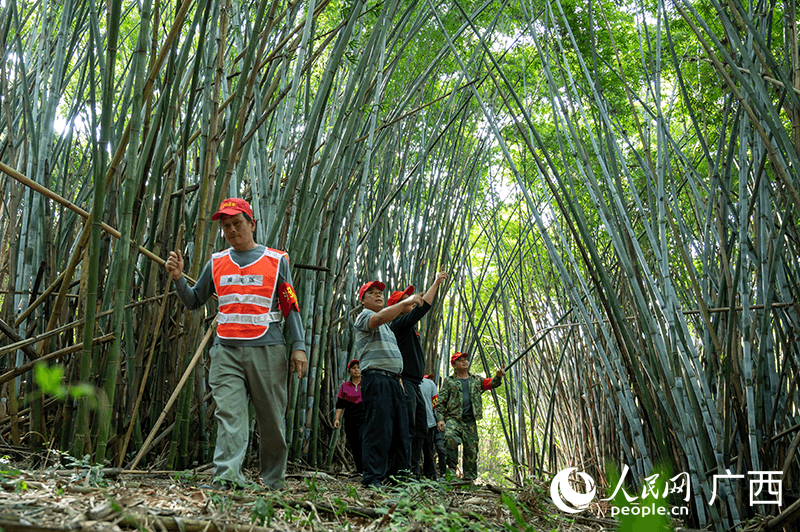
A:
x: 395, y: 376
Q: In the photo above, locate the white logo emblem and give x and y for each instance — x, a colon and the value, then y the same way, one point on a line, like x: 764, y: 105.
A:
x: 561, y: 492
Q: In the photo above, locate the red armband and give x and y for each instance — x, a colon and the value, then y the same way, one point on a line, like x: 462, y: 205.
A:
x: 486, y: 384
x: 287, y: 299
x: 434, y: 400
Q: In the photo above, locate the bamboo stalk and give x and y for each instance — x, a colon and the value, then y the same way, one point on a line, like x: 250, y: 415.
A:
x: 157, y: 327
x: 198, y: 353
x: 20, y: 370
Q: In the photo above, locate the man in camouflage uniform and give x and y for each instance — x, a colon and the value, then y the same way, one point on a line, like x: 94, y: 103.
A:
x: 458, y: 410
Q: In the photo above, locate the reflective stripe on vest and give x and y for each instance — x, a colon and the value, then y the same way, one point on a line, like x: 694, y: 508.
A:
x: 245, y: 294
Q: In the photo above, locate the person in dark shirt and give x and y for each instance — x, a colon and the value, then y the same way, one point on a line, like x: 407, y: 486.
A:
x: 349, y: 401
x: 404, y: 328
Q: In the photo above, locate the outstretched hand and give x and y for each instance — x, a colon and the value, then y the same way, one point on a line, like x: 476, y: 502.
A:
x: 174, y: 265
x: 413, y: 302
x: 440, y: 278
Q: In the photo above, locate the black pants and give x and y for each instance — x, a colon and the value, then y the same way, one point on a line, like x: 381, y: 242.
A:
x: 352, y: 428
x: 438, y: 439
x: 384, y: 443
x: 429, y: 454
x: 417, y: 424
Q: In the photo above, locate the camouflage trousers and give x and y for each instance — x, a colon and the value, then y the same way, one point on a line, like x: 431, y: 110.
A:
x: 464, y: 434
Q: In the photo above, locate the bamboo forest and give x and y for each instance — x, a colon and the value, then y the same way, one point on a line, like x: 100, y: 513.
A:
x: 612, y: 187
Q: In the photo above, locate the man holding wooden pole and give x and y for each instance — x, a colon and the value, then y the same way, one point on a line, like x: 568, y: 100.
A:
x: 254, y: 287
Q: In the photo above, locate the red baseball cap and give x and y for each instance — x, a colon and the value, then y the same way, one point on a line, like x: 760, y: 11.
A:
x: 455, y: 356
x: 350, y: 364
x: 363, y: 290
x: 430, y: 377
x: 397, y: 296
x: 232, y: 207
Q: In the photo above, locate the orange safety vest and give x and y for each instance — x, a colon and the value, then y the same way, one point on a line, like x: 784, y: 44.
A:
x: 245, y: 294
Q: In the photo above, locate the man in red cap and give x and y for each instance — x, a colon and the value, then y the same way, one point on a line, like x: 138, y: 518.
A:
x: 404, y: 328
x: 254, y: 287
x: 458, y: 410
x: 385, y: 445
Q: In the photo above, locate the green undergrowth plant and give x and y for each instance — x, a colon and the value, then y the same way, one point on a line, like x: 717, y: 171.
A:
x: 86, y: 473
x: 262, y: 511
x: 518, y: 515
x: 51, y: 381
x: 314, y: 489
x: 420, y: 504
x: 7, y: 473
x: 185, y: 477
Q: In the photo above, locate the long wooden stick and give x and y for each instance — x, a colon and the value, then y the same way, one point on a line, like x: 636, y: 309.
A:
x: 21, y: 344
x: 544, y: 334
x: 50, y: 356
x: 80, y: 212
x: 174, y: 396
x: 161, y: 310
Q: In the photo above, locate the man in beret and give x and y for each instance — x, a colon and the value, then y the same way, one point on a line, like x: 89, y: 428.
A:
x: 385, y: 446
x: 248, y: 357
x: 458, y: 410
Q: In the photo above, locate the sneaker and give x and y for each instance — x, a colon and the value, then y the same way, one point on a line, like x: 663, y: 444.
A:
x: 276, y: 485
x: 217, y: 485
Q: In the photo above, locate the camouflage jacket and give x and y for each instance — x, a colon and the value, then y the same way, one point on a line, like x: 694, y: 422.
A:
x: 449, y: 404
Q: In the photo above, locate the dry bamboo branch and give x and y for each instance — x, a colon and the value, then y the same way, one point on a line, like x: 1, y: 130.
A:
x: 22, y: 344
x: 77, y: 210
x: 38, y: 300
x: 174, y: 396
x: 51, y: 356
x: 785, y: 518
x: 149, y: 362
x: 19, y: 343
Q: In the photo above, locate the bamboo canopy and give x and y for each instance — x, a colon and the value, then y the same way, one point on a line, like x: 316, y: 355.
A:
x: 613, y: 188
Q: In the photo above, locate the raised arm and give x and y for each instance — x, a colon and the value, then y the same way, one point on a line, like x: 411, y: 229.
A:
x: 431, y: 293
x: 387, y: 314
x: 494, y: 382
x: 192, y: 297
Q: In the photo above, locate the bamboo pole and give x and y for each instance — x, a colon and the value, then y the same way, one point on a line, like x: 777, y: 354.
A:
x: 52, y: 356
x: 157, y: 327
x: 77, y: 210
x: 174, y: 396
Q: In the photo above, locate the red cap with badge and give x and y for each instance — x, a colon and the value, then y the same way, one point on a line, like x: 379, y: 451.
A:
x: 232, y: 207
x: 397, y: 296
x: 456, y: 356
x: 363, y: 290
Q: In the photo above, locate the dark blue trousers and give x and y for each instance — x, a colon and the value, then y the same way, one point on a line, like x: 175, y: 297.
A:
x: 385, y: 444
x: 417, y: 424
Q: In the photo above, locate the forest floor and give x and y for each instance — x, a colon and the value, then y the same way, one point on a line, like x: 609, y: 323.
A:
x: 58, y: 498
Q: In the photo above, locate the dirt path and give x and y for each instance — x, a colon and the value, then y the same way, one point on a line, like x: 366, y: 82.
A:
x: 60, y: 499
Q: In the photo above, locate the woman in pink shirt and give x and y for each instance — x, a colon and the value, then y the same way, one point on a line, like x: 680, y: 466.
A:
x: 349, y: 399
